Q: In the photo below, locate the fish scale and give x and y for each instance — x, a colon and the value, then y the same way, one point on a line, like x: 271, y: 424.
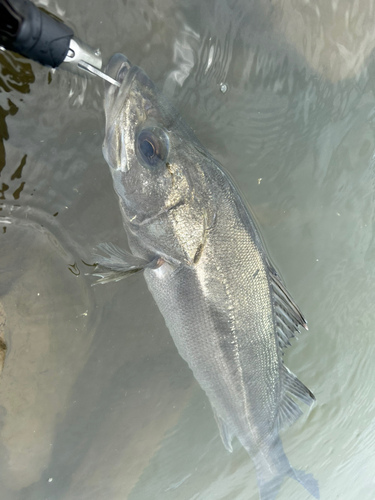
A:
x: 224, y: 304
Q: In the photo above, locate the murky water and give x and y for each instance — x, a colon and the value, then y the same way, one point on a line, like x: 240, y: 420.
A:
x: 95, y: 402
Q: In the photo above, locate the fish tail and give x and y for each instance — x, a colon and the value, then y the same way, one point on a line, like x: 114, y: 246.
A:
x: 268, y: 490
x: 273, y: 467
x: 307, y: 480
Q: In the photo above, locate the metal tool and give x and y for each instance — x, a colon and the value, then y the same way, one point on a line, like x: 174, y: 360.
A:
x: 29, y: 31
x: 95, y: 71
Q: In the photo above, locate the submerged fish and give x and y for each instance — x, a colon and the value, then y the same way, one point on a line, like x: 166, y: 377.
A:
x: 226, y: 307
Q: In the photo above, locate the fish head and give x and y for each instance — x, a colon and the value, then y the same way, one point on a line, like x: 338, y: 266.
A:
x: 153, y: 159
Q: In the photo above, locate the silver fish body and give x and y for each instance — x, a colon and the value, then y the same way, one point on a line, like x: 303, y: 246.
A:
x: 207, y: 269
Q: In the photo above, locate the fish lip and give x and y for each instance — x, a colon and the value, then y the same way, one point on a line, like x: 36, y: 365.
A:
x: 116, y: 64
x: 119, y: 68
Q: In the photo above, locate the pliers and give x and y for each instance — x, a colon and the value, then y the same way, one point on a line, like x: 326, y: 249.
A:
x: 34, y: 34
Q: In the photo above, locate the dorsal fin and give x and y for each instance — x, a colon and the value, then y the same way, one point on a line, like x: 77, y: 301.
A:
x: 288, y: 317
x: 289, y: 411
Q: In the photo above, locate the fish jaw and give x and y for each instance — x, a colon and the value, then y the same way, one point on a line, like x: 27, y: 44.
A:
x: 115, y: 98
x: 117, y: 68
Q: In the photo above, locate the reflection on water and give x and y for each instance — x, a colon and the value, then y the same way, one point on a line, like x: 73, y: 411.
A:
x: 94, y: 400
x: 16, y: 75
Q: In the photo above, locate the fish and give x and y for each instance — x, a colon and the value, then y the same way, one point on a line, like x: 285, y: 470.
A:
x: 192, y: 235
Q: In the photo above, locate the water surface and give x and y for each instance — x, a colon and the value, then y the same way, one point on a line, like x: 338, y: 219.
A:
x: 95, y: 402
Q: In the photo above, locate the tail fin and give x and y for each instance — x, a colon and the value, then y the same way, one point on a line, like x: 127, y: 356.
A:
x: 272, y: 466
x: 269, y: 489
x: 307, y: 480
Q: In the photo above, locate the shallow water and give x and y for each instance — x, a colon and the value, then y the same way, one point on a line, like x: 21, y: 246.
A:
x: 94, y: 400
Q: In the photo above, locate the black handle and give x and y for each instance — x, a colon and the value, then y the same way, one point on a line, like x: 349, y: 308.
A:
x: 32, y: 33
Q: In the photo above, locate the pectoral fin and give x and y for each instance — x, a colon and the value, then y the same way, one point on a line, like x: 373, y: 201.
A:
x: 209, y: 221
x: 119, y: 264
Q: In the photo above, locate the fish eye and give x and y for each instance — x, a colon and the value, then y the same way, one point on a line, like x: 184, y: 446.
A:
x: 152, y: 147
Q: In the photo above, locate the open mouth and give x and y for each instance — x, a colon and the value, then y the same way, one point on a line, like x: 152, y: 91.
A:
x: 117, y: 67
x: 120, y: 68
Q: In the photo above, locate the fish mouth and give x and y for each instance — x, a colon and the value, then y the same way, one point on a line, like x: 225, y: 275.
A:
x: 119, y: 68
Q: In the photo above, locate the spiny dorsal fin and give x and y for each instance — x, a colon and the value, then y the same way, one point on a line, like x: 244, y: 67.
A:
x: 288, y: 317
x: 119, y: 264
x: 289, y: 411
